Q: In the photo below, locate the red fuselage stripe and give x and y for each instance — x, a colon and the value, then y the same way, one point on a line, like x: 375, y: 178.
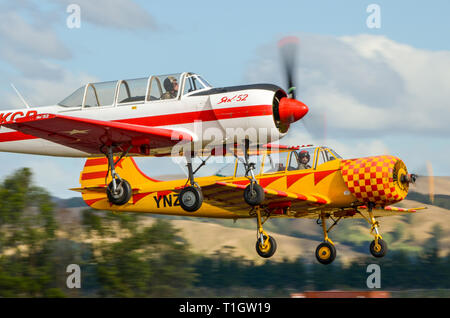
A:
x: 204, y: 115
x: 174, y: 119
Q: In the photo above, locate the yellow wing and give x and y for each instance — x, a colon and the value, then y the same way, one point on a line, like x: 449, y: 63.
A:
x: 230, y: 196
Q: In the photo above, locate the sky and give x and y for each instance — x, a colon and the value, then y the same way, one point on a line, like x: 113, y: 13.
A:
x: 370, y: 90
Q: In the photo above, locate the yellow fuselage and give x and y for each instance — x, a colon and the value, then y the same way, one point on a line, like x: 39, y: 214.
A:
x: 153, y: 196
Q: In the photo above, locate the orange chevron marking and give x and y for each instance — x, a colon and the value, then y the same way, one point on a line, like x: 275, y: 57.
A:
x: 264, y: 182
x: 291, y: 179
x: 320, y: 200
x: 163, y: 193
x: 139, y: 196
x: 320, y: 175
x: 90, y: 202
x: 241, y: 182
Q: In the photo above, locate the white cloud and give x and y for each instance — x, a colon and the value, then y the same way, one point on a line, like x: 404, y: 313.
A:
x: 367, y: 84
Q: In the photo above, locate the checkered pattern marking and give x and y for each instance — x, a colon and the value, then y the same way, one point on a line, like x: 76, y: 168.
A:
x: 371, y: 179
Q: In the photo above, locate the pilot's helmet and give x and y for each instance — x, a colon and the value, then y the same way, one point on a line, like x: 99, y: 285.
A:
x: 168, y: 83
x: 304, y: 153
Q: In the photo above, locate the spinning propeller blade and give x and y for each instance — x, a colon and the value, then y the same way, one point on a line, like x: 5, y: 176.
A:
x: 288, y: 50
x: 425, y: 181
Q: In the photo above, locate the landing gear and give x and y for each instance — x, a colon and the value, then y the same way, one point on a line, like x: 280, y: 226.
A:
x: 191, y: 197
x: 119, y: 190
x: 253, y: 193
x: 326, y: 252
x: 378, y: 248
x: 268, y: 249
x: 121, y: 194
x: 265, y: 244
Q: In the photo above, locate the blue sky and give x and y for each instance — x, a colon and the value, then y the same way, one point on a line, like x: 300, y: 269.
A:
x: 234, y: 42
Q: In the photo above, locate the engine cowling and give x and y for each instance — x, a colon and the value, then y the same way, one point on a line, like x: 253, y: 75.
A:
x: 259, y: 112
x: 382, y: 180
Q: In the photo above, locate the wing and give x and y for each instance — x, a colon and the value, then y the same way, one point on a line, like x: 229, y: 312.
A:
x: 90, y: 135
x: 230, y: 196
x: 389, y: 210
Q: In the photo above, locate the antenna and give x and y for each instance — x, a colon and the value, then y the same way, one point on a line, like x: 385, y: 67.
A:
x: 20, y: 96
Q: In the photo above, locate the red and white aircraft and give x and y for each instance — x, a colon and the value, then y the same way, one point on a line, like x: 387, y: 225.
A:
x: 151, y: 116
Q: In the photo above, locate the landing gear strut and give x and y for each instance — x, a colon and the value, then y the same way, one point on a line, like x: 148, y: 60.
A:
x: 253, y: 193
x: 326, y: 252
x: 119, y: 190
x: 265, y: 244
x: 191, y: 197
x: 378, y: 248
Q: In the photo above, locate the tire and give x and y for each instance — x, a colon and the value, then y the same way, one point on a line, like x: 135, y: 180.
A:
x: 383, y: 248
x: 191, y: 198
x: 255, y: 197
x: 123, y: 192
x: 325, y: 253
x: 269, y: 250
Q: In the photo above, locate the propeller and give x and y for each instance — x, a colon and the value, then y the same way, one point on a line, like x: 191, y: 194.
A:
x: 288, y: 110
x: 424, y: 182
x: 315, y: 124
x: 288, y: 47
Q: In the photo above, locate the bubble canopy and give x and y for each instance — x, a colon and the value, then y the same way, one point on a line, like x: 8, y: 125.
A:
x: 136, y: 91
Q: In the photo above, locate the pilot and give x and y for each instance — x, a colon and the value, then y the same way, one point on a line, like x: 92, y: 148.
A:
x: 303, y: 157
x: 171, y: 86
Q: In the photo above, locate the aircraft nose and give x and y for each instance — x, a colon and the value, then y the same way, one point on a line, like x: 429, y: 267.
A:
x: 291, y: 110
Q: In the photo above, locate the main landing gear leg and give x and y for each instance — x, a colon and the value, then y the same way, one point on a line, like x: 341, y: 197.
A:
x: 191, y: 197
x: 378, y: 247
x: 326, y: 252
x: 265, y: 244
x: 118, y: 190
x: 253, y: 193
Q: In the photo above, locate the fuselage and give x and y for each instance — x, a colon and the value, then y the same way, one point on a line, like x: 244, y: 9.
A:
x: 154, y: 197
x: 213, y: 116
x: 328, y: 184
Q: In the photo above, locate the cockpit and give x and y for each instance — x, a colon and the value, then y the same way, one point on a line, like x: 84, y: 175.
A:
x: 303, y: 158
x: 135, y: 91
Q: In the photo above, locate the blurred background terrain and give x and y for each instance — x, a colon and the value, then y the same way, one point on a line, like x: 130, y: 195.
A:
x: 135, y: 255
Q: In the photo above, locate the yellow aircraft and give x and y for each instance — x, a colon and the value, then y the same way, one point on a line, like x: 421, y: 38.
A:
x: 292, y: 182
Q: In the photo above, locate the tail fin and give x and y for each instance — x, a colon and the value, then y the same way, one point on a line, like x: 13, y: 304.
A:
x: 95, y: 173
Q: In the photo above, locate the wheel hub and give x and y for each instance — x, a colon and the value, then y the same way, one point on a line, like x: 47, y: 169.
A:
x: 324, y: 252
x: 189, y: 199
